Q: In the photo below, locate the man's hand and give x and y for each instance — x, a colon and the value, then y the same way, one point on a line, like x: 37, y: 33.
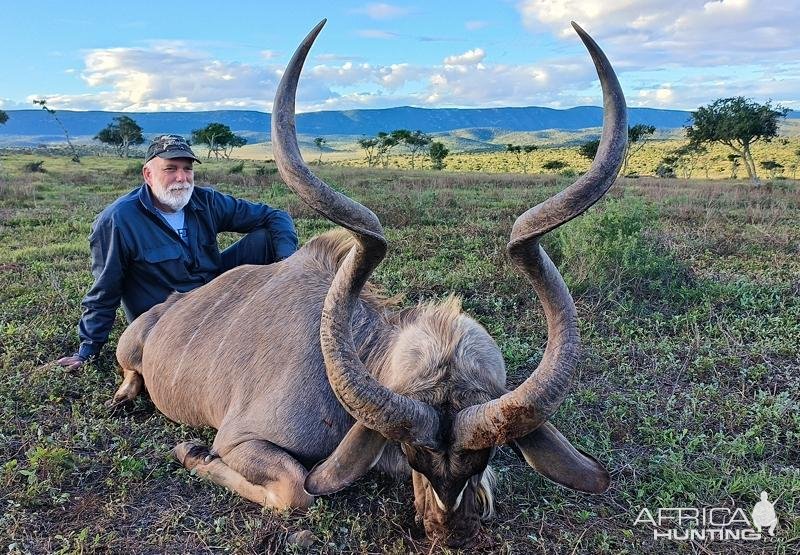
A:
x: 71, y: 363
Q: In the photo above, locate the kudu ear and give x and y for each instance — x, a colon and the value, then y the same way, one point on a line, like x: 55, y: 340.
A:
x: 358, y: 451
x: 551, y: 455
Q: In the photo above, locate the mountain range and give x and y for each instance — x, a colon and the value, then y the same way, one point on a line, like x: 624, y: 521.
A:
x: 34, y: 127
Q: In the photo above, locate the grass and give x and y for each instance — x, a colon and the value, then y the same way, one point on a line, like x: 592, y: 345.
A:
x: 688, y: 389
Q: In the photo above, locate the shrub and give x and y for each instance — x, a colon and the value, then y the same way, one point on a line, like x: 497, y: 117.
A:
x: 34, y: 167
x: 615, y: 247
x: 133, y: 170
x: 236, y: 168
x: 266, y: 170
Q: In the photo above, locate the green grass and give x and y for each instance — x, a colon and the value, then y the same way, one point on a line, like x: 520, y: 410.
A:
x: 688, y: 389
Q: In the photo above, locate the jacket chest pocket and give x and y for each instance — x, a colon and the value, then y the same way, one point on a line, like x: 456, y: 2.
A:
x: 163, y: 253
x: 168, y: 262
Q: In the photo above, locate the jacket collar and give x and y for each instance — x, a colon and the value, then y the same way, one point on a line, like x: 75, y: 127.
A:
x: 146, y: 198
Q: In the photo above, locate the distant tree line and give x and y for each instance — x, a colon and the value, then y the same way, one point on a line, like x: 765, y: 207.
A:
x: 379, y: 148
x: 123, y: 132
x: 736, y: 122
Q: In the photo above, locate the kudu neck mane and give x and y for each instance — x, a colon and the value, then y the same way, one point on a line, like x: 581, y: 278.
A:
x: 413, y: 350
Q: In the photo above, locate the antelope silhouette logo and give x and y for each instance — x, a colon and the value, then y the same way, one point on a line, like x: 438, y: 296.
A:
x: 764, y: 515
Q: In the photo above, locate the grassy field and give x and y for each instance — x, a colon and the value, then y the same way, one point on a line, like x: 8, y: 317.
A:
x: 688, y: 390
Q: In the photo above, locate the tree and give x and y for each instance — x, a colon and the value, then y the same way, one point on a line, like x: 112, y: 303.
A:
x: 686, y: 157
x: 320, y: 142
x: 369, y: 146
x: 416, y: 142
x: 43, y: 103
x: 121, y: 134
x: 437, y: 153
x: 737, y: 123
x: 666, y: 168
x: 236, y: 142
x: 589, y: 150
x: 637, y: 137
x: 772, y: 167
x: 3, y: 117
x: 522, y: 154
x: 386, y: 142
x: 219, y: 139
x: 734, y: 159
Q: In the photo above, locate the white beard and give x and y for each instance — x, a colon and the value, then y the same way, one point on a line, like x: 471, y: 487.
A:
x: 176, y: 196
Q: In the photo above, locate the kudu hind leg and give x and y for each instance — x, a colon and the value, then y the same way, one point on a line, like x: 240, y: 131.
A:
x: 256, y: 470
x: 132, y: 384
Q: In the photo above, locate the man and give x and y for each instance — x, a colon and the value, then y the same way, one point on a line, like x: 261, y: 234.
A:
x: 162, y: 237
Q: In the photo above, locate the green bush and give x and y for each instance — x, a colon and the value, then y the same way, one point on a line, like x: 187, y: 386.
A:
x: 266, y: 170
x: 236, y: 168
x: 34, y: 167
x: 615, y: 247
x: 133, y: 170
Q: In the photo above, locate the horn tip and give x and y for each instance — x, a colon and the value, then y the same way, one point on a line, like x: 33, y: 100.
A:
x: 578, y: 28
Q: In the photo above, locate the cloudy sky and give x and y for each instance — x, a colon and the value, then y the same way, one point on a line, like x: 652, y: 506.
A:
x: 187, y: 56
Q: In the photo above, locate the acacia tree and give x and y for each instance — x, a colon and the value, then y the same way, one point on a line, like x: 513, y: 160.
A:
x: 386, y: 142
x: 320, y: 143
x: 794, y: 164
x: 369, y: 146
x: 236, y: 142
x: 734, y: 159
x: 522, y: 154
x: 121, y: 134
x: 416, y: 142
x: 43, y: 103
x: 589, y: 149
x: 218, y: 138
x: 686, y: 158
x: 637, y: 137
x: 437, y: 152
x: 737, y: 123
x: 772, y: 167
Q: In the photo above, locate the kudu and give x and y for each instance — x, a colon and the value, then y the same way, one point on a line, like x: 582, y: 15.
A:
x: 301, y: 363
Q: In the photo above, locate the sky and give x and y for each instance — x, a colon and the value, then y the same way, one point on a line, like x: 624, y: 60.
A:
x: 192, y: 56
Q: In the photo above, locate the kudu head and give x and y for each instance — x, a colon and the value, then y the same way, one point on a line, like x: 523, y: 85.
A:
x: 448, y: 443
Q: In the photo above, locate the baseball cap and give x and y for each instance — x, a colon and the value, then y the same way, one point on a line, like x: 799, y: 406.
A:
x: 170, y: 146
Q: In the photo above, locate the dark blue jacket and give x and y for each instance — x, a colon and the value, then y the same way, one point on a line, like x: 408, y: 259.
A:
x: 138, y: 259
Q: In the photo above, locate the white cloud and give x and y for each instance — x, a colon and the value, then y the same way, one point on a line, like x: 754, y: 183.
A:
x: 269, y: 54
x: 641, y: 42
x: 475, y: 25
x: 383, y: 11
x: 648, y: 33
x: 376, y: 34
x: 662, y: 97
x: 470, y: 57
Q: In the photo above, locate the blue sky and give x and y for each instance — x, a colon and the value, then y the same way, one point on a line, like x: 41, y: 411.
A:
x: 158, y: 56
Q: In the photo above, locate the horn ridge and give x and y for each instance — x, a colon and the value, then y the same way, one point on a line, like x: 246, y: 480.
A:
x: 394, y: 416
x: 521, y: 411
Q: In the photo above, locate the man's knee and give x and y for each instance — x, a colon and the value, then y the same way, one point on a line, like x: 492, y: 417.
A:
x: 253, y: 248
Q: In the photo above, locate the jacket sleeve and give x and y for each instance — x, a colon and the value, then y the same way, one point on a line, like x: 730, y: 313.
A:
x: 101, y: 302
x: 242, y: 216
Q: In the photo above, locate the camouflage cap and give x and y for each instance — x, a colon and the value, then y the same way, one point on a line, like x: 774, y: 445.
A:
x: 170, y: 146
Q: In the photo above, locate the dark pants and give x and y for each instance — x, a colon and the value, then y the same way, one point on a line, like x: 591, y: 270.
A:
x: 253, y: 248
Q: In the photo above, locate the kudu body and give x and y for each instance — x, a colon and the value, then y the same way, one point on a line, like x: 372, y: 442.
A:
x: 299, y: 363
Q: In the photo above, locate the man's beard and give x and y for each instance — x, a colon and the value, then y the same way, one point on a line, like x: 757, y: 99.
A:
x: 176, y: 196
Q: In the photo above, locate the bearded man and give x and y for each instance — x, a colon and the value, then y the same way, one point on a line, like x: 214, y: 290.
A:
x: 162, y: 237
